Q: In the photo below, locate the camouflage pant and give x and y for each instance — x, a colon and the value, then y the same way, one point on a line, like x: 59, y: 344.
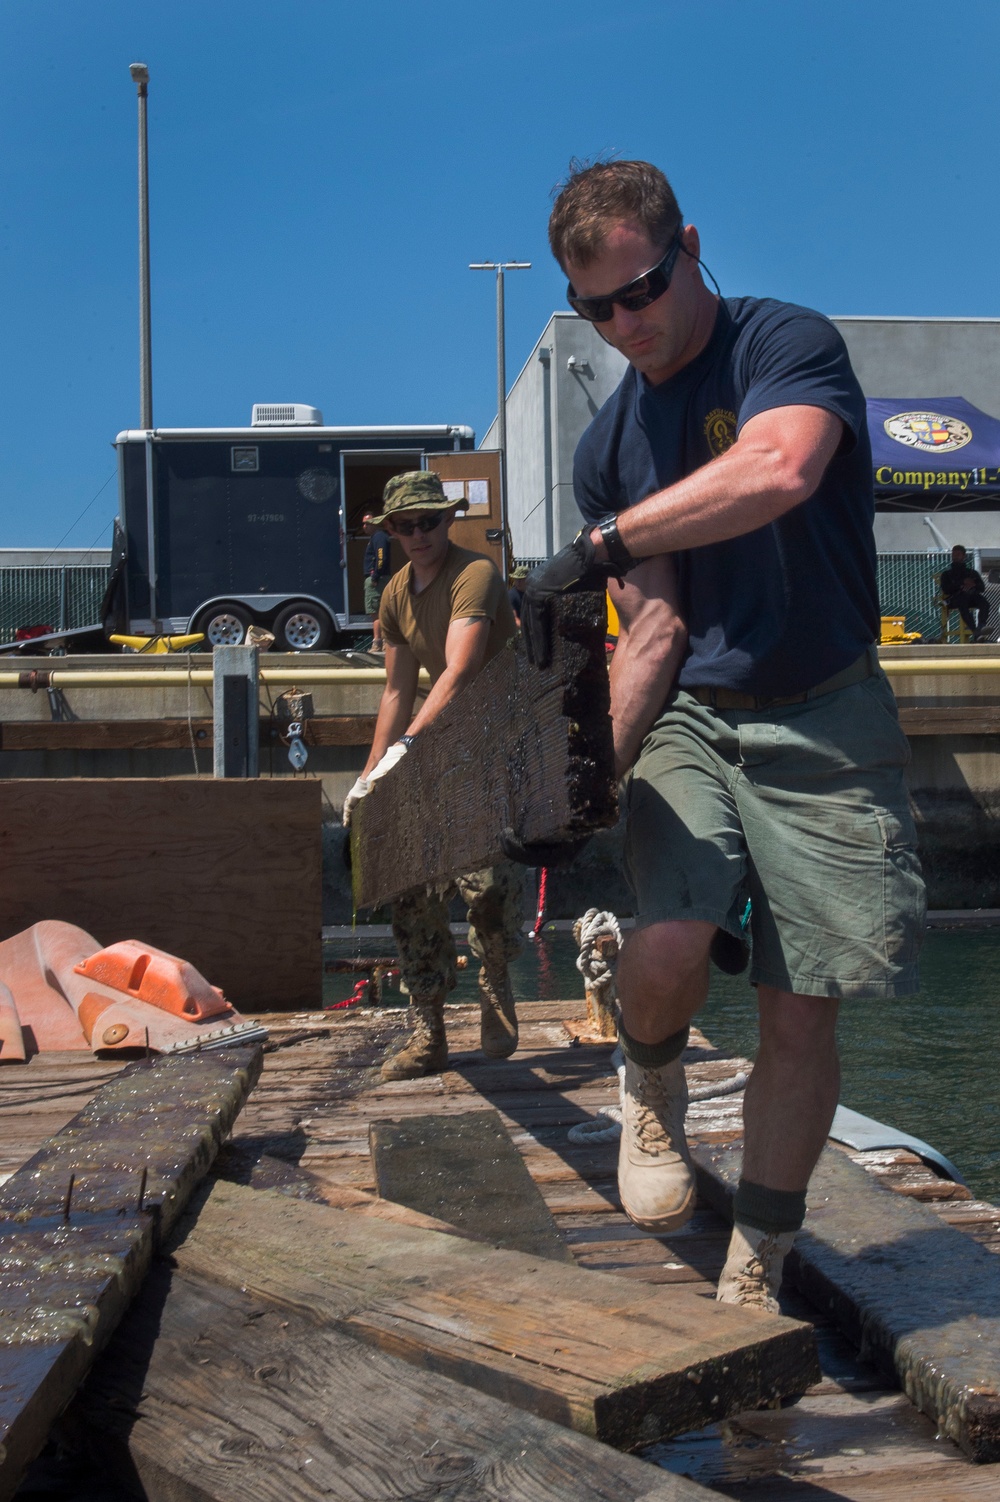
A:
x: 426, y: 947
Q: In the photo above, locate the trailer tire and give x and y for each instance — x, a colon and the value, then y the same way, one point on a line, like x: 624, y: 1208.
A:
x: 302, y: 627
x: 223, y: 625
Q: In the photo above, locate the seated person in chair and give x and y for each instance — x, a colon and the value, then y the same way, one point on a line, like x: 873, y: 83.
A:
x: 962, y: 589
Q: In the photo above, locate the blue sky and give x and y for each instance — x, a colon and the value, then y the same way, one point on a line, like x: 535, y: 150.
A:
x: 322, y: 173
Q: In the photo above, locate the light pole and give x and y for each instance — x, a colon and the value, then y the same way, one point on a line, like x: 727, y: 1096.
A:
x: 500, y: 267
x: 140, y: 77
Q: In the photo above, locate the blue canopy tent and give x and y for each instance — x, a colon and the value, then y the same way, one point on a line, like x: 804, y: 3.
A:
x: 939, y: 454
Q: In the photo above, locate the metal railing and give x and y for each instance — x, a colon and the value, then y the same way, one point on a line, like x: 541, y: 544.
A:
x: 61, y: 597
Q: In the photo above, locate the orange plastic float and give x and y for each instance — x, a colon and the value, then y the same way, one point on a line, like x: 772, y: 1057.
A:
x: 60, y: 990
x: 153, y: 976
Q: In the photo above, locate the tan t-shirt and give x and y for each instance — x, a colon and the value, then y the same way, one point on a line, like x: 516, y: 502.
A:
x: 468, y: 587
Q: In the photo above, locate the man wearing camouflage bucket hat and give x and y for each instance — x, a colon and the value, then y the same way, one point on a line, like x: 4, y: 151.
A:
x: 446, y: 611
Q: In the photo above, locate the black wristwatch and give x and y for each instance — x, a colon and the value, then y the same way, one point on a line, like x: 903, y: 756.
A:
x: 407, y: 741
x: 618, y: 553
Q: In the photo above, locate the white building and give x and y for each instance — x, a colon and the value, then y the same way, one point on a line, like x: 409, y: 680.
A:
x: 571, y: 372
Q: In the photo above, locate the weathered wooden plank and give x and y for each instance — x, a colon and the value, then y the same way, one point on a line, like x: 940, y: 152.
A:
x: 520, y: 748
x: 622, y: 1362
x: 465, y: 1170
x: 947, y: 719
x: 859, y: 1445
x: 168, y: 735
x: 79, y: 1221
x: 921, y: 1299
x: 226, y: 872
x: 210, y: 1394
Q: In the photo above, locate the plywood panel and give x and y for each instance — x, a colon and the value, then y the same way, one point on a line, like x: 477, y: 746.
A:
x: 470, y: 527
x: 226, y: 873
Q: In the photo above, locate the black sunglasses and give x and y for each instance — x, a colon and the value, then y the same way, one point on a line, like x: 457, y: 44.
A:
x: 419, y: 524
x: 634, y: 295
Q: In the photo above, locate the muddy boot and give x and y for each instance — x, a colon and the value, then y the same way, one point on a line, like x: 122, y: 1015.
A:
x: 426, y: 1049
x: 498, y: 1019
x: 655, y: 1180
x: 752, y: 1274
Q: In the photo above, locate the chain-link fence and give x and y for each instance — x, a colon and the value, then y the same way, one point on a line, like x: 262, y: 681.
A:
x: 71, y: 596
x: 59, y: 597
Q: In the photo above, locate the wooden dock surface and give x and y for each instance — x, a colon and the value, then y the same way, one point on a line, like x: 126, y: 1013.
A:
x: 850, y: 1437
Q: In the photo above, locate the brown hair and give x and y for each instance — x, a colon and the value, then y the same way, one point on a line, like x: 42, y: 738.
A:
x: 596, y: 196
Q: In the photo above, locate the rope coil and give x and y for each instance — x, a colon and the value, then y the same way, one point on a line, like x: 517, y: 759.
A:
x: 610, y: 1129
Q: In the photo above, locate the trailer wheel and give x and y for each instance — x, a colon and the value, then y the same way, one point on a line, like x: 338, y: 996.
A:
x: 302, y: 627
x: 223, y: 625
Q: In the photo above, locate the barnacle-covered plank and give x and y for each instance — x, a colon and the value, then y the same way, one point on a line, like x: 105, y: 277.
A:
x: 520, y: 748
x: 79, y: 1222
x: 920, y: 1298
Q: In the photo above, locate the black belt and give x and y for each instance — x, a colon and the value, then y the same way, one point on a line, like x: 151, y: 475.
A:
x: 727, y: 698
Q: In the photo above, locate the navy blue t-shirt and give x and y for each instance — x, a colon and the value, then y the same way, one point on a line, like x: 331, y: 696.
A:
x: 783, y: 607
x: 377, y: 564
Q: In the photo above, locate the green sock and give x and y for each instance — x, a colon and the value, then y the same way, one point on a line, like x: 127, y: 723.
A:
x: 653, y: 1055
x: 774, y: 1210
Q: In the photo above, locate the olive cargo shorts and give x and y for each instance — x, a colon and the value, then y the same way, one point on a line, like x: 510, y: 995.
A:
x: 801, y: 808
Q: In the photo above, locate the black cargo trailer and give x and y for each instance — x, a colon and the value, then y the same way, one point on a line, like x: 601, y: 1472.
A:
x: 225, y: 527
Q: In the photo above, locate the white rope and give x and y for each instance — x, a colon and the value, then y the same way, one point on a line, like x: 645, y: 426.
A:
x: 720, y: 1087
x: 610, y: 1129
x: 587, y: 930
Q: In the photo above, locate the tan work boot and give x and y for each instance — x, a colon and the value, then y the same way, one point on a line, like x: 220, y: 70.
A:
x: 752, y: 1274
x: 498, y: 1019
x: 426, y: 1049
x: 655, y: 1180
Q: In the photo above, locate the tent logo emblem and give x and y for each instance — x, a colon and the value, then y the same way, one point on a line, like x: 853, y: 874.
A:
x: 928, y: 431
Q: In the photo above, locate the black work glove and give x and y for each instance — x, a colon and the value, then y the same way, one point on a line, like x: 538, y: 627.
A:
x: 541, y: 852
x: 572, y: 569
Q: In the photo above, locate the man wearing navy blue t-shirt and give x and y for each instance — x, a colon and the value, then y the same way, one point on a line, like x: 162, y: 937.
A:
x: 727, y: 484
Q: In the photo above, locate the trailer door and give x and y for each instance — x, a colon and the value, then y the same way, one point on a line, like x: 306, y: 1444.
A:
x: 475, y: 478
x: 364, y: 475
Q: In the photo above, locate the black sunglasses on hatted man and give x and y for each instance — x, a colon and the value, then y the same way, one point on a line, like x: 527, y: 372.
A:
x: 635, y: 295
x: 419, y: 524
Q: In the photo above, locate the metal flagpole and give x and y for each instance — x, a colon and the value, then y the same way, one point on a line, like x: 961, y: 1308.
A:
x: 500, y: 267
x: 140, y: 77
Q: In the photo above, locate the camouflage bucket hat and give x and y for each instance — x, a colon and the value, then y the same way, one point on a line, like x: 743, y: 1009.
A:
x: 417, y: 490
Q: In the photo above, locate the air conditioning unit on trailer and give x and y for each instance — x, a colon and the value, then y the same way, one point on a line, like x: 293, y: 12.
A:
x: 285, y: 415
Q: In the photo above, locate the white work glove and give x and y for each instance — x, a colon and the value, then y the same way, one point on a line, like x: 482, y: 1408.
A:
x: 393, y: 756
x: 352, y: 800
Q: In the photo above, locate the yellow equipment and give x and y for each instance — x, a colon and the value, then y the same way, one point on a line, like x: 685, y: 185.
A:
x: 157, y: 646
x: 894, y: 632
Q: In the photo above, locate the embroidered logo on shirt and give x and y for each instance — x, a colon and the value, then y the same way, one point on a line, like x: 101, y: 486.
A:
x: 928, y: 431
x: 720, y: 430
